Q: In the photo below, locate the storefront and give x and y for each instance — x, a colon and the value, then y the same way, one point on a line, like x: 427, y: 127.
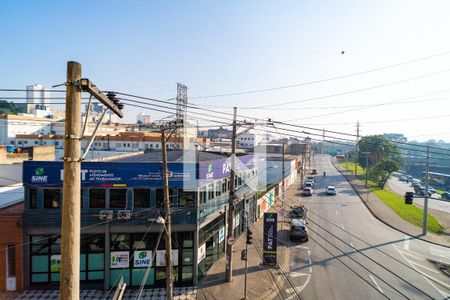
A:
x: 120, y: 201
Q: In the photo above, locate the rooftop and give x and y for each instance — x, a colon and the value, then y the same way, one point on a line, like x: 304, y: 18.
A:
x: 172, y: 156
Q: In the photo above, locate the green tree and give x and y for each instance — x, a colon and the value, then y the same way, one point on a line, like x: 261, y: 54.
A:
x: 10, y: 108
x: 383, y: 157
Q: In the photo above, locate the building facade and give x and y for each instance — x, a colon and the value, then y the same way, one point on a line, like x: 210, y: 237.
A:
x: 120, y: 202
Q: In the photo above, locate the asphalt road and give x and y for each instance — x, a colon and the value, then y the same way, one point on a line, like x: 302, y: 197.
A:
x: 351, y: 255
x: 401, y: 187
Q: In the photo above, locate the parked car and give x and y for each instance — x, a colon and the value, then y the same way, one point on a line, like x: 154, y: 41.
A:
x: 307, y: 191
x: 445, y: 196
x: 314, y: 172
x: 331, y: 191
x: 310, y: 178
x: 403, y: 178
x: 433, y: 191
x: 298, y: 230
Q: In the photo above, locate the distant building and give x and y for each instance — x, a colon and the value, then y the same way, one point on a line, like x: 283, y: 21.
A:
x: 37, y: 95
x: 95, y: 112
x: 11, y: 125
x: 120, y: 142
x: 143, y: 119
x: 219, y: 133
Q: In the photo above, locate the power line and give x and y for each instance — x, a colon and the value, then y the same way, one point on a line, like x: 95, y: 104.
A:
x: 368, y: 106
x: 322, y: 80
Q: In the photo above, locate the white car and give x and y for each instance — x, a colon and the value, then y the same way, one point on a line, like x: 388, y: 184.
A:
x: 307, y: 191
x: 331, y: 191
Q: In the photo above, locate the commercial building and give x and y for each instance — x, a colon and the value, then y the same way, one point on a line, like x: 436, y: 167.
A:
x: 11, y: 227
x: 120, y: 202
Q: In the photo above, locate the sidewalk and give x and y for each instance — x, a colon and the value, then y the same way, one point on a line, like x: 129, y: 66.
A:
x: 262, y: 282
x: 384, y: 214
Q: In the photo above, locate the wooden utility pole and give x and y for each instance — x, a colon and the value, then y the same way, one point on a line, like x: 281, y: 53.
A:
x: 168, y: 221
x: 230, y: 233
x: 283, y: 187
x: 70, y: 229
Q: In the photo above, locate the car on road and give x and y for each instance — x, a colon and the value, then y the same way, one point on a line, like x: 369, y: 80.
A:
x: 310, y: 183
x: 298, y: 230
x: 310, y: 178
x: 331, y: 191
x: 298, y: 212
x: 402, y: 178
x: 421, y: 192
x: 415, y: 181
x: 314, y: 172
x: 433, y: 191
x: 307, y: 191
x: 445, y: 196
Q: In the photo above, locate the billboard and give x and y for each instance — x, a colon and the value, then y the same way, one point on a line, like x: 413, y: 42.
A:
x: 270, y: 239
x: 109, y: 174
x: 218, y: 169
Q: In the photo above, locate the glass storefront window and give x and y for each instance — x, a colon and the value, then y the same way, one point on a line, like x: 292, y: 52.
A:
x: 160, y: 197
x: 210, y: 191
x: 186, y: 198
x: 120, y: 241
x: 52, y: 198
x: 32, y: 198
x: 141, y: 197
x: 46, y: 268
x: 186, y: 275
x: 117, y: 198
x: 97, y: 198
x: 202, y: 196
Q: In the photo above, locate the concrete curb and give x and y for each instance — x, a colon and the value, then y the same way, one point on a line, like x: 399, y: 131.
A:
x: 380, y: 219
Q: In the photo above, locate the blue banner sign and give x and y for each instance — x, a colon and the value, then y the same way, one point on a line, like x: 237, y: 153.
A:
x: 108, y: 174
x: 221, y: 168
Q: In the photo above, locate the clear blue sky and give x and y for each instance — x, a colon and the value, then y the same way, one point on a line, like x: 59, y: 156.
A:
x: 145, y: 47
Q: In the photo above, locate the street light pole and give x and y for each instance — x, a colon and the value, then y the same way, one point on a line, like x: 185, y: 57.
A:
x: 425, y: 202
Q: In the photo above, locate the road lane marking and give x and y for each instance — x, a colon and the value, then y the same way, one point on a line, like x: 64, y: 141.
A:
x: 336, y: 213
x: 290, y: 290
x: 425, y: 275
x: 351, y: 245
x: 406, y: 243
x: 424, y: 267
x: 297, y: 274
x: 342, y: 225
x: 376, y: 284
x: 411, y: 254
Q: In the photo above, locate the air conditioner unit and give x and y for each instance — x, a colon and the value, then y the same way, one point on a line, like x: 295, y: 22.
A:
x: 124, y: 214
x: 106, y: 215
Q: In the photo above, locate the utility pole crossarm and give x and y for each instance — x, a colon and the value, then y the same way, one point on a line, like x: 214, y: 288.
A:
x: 88, y: 86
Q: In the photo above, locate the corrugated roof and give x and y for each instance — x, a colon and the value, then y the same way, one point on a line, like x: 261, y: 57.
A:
x: 172, y: 156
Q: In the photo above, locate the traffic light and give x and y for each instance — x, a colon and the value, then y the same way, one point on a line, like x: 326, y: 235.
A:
x: 249, y: 237
x: 244, y: 254
x: 409, y: 197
